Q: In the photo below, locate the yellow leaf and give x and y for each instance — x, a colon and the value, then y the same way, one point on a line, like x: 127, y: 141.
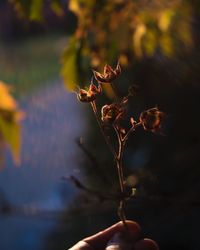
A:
x: 166, y: 44
x: 74, y: 6
x: 150, y: 42
x: 165, y: 19
x: 1, y: 153
x: 11, y: 133
x: 57, y: 8
x: 7, y: 102
x: 36, y: 10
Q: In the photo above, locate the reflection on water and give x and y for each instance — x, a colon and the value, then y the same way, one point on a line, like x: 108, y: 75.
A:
x: 53, y: 121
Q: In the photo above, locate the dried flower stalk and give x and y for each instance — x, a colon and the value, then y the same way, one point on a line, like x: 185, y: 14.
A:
x: 112, y: 115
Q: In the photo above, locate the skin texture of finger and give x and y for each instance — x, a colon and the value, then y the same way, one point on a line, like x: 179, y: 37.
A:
x: 100, y: 240
x: 146, y: 244
x: 81, y: 245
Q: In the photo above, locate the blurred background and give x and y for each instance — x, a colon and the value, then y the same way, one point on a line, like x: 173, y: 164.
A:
x: 49, y: 141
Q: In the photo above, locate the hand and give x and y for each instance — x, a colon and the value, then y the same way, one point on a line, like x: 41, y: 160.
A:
x: 102, y: 239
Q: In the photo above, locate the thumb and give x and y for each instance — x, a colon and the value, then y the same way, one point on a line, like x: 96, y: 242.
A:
x: 100, y: 240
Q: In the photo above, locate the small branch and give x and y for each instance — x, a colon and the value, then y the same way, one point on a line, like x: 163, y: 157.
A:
x: 94, y: 108
x: 133, y: 128
x: 93, y: 161
x: 95, y: 193
x: 119, y: 137
x: 122, y: 142
x: 119, y: 161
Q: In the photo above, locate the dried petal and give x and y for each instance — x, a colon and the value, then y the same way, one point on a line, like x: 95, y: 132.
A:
x: 98, y: 76
x: 108, y: 70
x: 85, y: 96
x: 133, y: 122
x: 95, y: 90
x: 89, y: 95
x: 109, y: 74
x: 125, y: 100
x: 118, y: 69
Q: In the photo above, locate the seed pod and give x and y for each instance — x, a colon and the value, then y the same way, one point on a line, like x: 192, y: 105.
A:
x: 109, y: 74
x: 112, y: 113
x: 151, y: 119
x: 89, y: 95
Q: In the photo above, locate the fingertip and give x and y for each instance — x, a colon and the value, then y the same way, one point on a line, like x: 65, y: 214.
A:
x: 146, y: 244
x: 81, y: 245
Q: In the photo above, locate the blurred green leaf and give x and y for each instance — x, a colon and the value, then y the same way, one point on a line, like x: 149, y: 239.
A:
x: 41, y: 55
x: 140, y: 31
x: 69, y: 69
x: 150, y: 42
x: 166, y: 44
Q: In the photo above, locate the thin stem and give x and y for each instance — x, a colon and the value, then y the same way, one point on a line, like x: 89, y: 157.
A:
x: 119, y: 159
x: 94, y: 108
x: 119, y: 165
x: 119, y: 162
x: 133, y: 128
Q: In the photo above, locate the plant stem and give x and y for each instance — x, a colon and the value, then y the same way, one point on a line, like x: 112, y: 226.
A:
x: 94, y: 108
x: 119, y: 159
x: 133, y: 128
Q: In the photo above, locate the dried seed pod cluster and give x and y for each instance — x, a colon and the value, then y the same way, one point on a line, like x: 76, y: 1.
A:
x: 113, y: 114
x: 151, y: 119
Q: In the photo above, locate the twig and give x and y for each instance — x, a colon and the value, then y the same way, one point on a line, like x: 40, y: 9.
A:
x: 93, y: 161
x: 90, y: 191
x: 133, y: 128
